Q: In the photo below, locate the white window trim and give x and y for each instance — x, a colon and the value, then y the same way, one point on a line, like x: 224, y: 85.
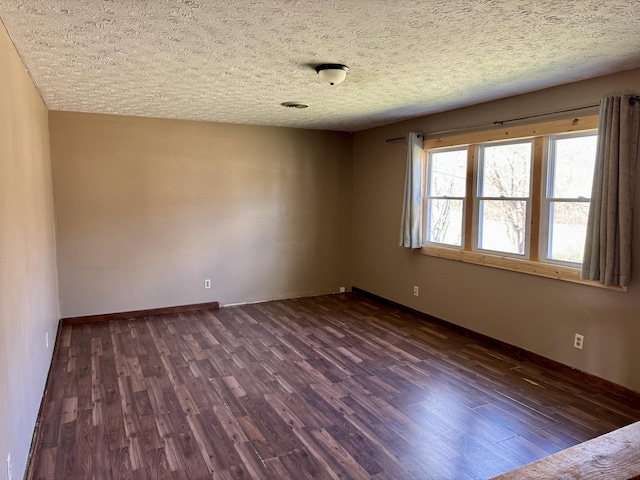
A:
x: 546, y: 201
x: 426, y: 197
x: 477, y: 175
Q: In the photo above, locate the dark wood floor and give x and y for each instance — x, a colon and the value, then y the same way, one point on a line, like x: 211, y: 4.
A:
x: 326, y: 387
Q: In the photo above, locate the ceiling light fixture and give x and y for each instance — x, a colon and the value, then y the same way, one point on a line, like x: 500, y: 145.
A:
x: 332, y: 73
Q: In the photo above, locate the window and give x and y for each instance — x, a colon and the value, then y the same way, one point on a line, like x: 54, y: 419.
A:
x: 513, y: 198
x: 570, y: 167
x: 503, y: 199
x: 445, y: 196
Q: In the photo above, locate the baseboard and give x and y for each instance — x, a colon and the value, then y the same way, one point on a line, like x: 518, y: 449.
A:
x: 105, y: 317
x: 512, y: 350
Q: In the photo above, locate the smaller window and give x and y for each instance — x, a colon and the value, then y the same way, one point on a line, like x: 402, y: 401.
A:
x: 570, y: 167
x: 503, y: 197
x: 445, y: 197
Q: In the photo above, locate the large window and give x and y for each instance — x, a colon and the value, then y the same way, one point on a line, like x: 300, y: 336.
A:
x: 515, y: 199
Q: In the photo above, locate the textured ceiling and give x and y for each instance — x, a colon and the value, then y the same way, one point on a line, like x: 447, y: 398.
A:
x: 238, y: 60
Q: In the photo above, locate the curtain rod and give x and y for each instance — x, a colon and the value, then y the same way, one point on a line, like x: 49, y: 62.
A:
x: 632, y: 101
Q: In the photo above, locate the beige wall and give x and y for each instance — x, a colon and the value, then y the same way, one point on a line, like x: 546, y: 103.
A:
x: 146, y: 209
x: 538, y: 314
x: 28, y: 288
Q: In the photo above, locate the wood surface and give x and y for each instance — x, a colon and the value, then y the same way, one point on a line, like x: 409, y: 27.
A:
x: 548, y: 270
x: 472, y: 154
x: 615, y: 455
x: 538, y: 192
x: 331, y: 387
x: 500, y: 133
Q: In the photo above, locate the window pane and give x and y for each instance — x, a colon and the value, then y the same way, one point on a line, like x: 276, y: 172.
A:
x: 574, y: 164
x: 448, y: 173
x: 567, y: 230
x: 506, y: 170
x: 502, y: 225
x: 445, y: 221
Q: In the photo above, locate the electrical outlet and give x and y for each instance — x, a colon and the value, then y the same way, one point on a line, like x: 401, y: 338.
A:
x: 207, y: 283
x: 9, y: 471
x: 415, y: 290
x: 342, y: 289
x: 578, y: 341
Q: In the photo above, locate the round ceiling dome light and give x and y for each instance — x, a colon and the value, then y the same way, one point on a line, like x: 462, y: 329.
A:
x: 332, y: 73
x: 298, y: 105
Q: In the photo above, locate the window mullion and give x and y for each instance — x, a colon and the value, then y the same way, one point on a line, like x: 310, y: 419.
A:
x: 536, y: 192
x: 472, y: 155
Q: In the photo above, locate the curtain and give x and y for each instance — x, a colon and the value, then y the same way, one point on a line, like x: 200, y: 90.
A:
x: 607, y: 254
x: 411, y: 221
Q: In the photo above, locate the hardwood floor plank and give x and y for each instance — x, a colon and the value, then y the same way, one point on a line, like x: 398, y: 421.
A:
x: 312, y: 409
x: 226, y: 397
x: 524, y: 449
x: 84, y: 445
x: 282, y: 409
x: 100, y: 455
x: 333, y: 387
x: 365, y: 452
x: 273, y: 428
x: 335, y: 460
x: 216, y: 447
x: 46, y: 464
x: 300, y: 464
x: 255, y: 466
x: 65, y: 452
x: 255, y: 436
x: 458, y: 424
x: 276, y: 469
x: 52, y: 414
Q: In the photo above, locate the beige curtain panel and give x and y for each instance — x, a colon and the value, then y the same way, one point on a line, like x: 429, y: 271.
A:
x: 411, y: 220
x: 607, y: 255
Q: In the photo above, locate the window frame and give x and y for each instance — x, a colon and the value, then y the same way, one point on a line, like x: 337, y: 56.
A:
x: 548, y: 177
x: 426, y: 197
x: 535, y: 264
x: 477, y: 198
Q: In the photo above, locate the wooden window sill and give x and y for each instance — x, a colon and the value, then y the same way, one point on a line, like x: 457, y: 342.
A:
x: 548, y: 270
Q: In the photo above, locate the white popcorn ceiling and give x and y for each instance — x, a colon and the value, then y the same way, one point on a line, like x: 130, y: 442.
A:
x: 237, y: 60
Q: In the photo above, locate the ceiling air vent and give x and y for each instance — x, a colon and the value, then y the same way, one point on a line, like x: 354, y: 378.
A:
x: 298, y: 105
